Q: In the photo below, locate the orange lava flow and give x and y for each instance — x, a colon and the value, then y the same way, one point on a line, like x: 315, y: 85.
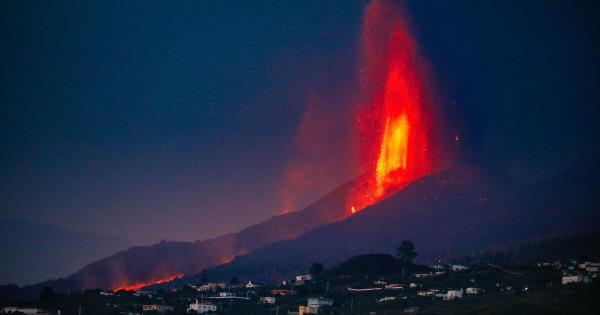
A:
x: 139, y: 285
x: 394, y: 125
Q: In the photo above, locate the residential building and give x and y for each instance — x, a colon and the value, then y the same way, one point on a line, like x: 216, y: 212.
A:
x: 458, y: 267
x: 473, y: 290
x: 251, y: 284
x: 320, y: 301
x: 307, y: 277
x: 574, y: 279
x: 267, y: 300
x: 202, y: 308
x: 226, y: 294
x: 454, y: 294
x: 303, y: 309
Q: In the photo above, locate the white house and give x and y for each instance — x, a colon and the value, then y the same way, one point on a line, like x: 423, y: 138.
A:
x: 251, y: 284
x: 211, y: 286
x: 453, y: 294
x: 574, y: 279
x: 320, y: 301
x: 202, y: 308
x: 226, y: 294
x: 458, y: 267
x: 425, y: 293
x: 473, y: 290
x: 267, y: 300
x: 306, y: 277
x: 24, y: 310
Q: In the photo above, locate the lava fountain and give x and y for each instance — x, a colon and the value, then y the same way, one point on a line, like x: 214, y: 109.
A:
x: 395, y: 123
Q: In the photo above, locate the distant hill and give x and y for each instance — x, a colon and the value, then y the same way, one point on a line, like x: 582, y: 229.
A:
x: 445, y: 214
x: 33, y: 252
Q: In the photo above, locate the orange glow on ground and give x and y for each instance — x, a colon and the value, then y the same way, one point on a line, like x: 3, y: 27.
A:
x: 395, y: 124
x: 139, y: 285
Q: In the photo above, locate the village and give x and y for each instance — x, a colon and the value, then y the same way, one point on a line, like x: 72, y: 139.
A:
x: 352, y: 289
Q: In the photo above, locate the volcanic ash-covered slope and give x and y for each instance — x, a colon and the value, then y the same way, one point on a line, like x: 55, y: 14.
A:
x: 445, y: 214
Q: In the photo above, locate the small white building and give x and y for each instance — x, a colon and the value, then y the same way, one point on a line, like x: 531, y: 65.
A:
x: 592, y: 268
x: 251, y: 284
x: 211, y: 286
x: 425, y: 293
x: 458, y: 267
x: 574, y: 279
x: 226, y: 294
x: 307, y: 277
x: 267, y: 300
x: 24, y: 310
x: 157, y: 308
x: 320, y: 301
x: 202, y: 308
x: 303, y: 309
x: 472, y: 290
x: 454, y: 294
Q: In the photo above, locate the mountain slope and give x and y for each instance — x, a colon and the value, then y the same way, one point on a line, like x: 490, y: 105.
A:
x: 444, y: 214
x: 147, y: 264
x: 47, y: 252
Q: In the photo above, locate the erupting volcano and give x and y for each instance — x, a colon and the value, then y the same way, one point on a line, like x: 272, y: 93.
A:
x: 395, y: 122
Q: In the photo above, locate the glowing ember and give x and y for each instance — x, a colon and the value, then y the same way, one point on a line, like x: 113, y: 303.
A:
x: 395, y: 125
x: 139, y: 285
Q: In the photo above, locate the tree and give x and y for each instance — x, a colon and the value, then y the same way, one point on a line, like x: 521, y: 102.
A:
x: 204, y: 276
x: 316, y: 269
x: 47, y: 294
x: 406, y: 252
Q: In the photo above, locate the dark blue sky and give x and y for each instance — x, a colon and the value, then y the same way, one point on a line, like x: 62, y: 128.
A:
x: 176, y: 119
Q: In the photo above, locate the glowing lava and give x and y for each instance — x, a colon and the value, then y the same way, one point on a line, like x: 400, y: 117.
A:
x: 395, y: 125
x: 139, y: 285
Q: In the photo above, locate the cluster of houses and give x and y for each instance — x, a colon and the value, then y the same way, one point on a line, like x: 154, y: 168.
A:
x: 577, y: 272
x: 446, y: 295
x: 313, y: 306
x: 23, y: 310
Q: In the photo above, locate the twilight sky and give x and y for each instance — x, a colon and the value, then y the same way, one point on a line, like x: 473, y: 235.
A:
x: 181, y: 120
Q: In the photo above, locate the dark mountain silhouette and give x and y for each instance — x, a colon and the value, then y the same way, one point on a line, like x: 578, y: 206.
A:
x: 45, y: 251
x: 145, y: 264
x: 445, y: 214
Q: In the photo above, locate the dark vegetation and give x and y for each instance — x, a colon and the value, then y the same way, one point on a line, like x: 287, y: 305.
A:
x: 580, y: 246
